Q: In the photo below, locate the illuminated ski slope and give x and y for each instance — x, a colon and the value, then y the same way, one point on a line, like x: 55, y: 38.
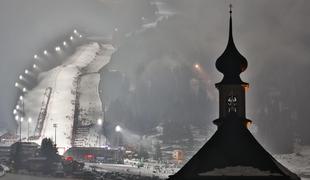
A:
x: 78, y: 75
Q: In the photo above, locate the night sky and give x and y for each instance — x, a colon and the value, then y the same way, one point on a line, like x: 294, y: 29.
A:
x: 274, y: 36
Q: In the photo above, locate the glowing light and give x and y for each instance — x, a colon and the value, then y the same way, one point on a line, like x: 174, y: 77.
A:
x: 57, y: 48
x: 246, y: 88
x: 26, y: 71
x: 45, y: 52
x: 197, y: 66
x: 115, y: 29
x: 99, y: 122
x: 71, y: 38
x: 21, y: 119
x: 16, y: 117
x: 14, y: 111
x: 30, y: 120
x: 34, y: 66
x: 21, y: 98
x: 248, y: 124
x: 69, y: 158
x: 24, y: 89
x: 16, y: 84
x: 88, y: 156
x: 21, y: 77
x: 35, y: 56
x: 64, y: 43
x: 80, y: 36
x: 118, y: 128
x: 17, y: 107
x: 75, y: 31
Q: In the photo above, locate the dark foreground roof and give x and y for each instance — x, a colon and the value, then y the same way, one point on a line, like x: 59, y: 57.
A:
x: 233, y: 145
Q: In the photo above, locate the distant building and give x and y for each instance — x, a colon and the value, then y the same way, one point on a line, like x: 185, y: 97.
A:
x: 8, y: 138
x: 21, y: 152
x: 95, y: 154
x: 232, y: 152
x: 27, y: 149
x: 4, y: 154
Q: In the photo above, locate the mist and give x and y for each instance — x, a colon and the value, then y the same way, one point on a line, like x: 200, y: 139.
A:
x: 151, y: 81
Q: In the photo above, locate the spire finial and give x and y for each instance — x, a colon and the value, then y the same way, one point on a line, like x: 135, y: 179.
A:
x: 230, y: 25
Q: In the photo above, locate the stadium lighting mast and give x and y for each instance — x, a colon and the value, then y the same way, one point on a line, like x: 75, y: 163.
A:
x: 99, y: 123
x: 21, y: 98
x: 118, y: 130
x: 28, y: 122
x: 55, y: 127
x: 57, y: 48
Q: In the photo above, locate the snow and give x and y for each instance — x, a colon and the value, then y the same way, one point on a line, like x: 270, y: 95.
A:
x: 238, y: 171
x: 163, y: 13
x: 78, y: 75
x: 128, y: 169
x: 103, y: 57
x: 90, y: 104
x: 298, y: 162
x: 62, y: 104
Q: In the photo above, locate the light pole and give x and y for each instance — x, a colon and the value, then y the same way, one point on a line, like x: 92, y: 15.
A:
x: 55, y: 126
x: 99, y: 123
x: 21, y: 98
x: 20, y: 128
x: 118, y: 130
x: 28, y: 122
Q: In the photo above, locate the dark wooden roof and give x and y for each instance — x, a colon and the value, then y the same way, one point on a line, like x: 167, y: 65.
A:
x: 232, y: 145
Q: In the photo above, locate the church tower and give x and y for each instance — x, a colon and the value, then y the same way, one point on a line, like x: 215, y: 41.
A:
x: 232, y: 153
x: 231, y: 89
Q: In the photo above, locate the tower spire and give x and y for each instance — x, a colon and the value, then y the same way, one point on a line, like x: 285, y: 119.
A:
x: 231, y: 89
x: 231, y: 63
x: 230, y: 26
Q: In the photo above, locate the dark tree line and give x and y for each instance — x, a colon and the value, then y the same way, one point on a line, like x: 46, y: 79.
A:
x: 163, y: 96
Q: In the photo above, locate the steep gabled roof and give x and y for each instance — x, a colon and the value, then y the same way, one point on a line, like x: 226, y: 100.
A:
x: 232, y: 145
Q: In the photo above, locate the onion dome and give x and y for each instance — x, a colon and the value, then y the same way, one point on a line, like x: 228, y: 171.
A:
x: 231, y: 63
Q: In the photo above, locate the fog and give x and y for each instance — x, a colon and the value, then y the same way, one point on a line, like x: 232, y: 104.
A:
x: 151, y: 80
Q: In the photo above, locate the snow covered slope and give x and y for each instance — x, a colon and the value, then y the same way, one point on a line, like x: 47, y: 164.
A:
x: 89, y: 103
x: 298, y: 162
x: 74, y: 86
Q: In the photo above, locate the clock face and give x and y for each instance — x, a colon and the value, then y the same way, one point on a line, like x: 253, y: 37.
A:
x: 231, y: 100
x: 232, y: 103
